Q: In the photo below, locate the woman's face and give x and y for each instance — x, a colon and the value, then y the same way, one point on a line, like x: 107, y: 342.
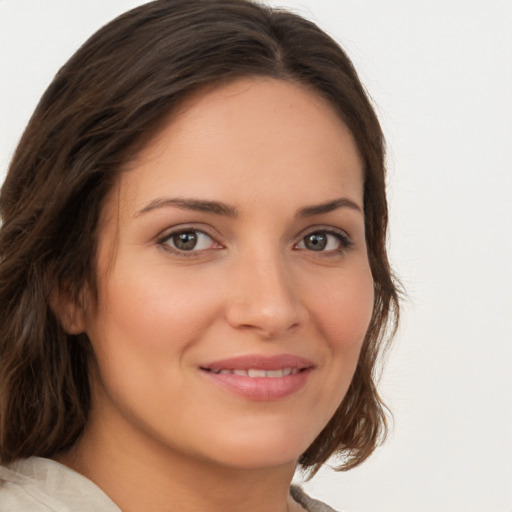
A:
x: 234, y: 285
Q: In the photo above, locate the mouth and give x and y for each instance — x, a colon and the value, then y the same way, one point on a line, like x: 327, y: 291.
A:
x: 260, y: 378
x: 256, y: 372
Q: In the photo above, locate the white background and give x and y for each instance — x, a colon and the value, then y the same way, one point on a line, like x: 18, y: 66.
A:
x: 440, y: 73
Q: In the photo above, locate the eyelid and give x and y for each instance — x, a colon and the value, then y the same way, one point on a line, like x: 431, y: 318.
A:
x: 345, y: 239
x: 168, y: 233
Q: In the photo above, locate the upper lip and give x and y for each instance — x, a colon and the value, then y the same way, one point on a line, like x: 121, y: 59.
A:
x: 260, y: 362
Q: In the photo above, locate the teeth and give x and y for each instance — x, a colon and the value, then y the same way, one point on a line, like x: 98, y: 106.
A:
x: 256, y: 372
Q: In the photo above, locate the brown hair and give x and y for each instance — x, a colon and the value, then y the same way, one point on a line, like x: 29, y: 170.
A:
x: 100, y: 109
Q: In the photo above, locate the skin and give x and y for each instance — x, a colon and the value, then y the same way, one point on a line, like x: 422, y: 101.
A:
x: 159, y: 425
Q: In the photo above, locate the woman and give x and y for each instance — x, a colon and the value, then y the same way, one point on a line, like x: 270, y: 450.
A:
x: 194, y: 280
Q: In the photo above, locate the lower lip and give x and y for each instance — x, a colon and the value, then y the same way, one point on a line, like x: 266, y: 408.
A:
x: 261, y: 388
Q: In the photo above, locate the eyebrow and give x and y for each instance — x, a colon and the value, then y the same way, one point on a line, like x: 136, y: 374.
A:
x: 197, y: 205
x: 226, y: 210
x: 329, y: 206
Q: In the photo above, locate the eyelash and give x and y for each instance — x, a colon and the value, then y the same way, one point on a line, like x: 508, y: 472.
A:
x: 164, y: 242
x: 345, y: 242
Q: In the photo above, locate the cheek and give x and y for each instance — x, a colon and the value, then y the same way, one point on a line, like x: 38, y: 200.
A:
x: 344, y: 308
x: 151, y: 309
x: 145, y: 325
x: 143, y: 333
x: 341, y: 308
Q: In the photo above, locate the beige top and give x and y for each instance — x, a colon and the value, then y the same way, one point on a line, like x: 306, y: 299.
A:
x: 43, y: 485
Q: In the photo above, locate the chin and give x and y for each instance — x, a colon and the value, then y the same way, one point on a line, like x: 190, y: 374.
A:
x: 256, y: 457
x: 265, y: 448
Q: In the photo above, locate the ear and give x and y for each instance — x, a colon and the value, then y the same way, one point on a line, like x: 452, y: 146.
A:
x: 69, y: 310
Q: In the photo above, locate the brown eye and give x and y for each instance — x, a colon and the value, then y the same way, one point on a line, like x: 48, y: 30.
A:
x: 185, y: 241
x: 315, y: 241
x: 192, y: 241
x: 328, y: 241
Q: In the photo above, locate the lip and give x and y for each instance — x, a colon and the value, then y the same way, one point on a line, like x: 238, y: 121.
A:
x: 260, y: 388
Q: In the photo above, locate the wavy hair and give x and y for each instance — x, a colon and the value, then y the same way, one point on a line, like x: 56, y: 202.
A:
x: 101, y: 108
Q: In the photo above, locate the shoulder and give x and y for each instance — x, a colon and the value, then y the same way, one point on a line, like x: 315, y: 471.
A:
x: 37, y: 485
x: 308, y: 503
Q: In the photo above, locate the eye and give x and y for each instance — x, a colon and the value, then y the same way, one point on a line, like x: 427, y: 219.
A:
x: 188, y: 240
x: 325, y: 241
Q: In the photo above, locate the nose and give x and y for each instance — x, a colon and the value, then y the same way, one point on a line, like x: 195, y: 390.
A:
x: 263, y: 298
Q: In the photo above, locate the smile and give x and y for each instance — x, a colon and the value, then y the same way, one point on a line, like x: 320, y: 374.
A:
x: 256, y: 372
x: 260, y: 378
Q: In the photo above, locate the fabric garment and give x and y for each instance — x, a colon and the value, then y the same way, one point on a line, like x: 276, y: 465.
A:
x: 43, y: 485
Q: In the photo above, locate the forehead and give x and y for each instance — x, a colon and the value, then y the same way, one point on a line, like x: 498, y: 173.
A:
x: 247, y: 138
